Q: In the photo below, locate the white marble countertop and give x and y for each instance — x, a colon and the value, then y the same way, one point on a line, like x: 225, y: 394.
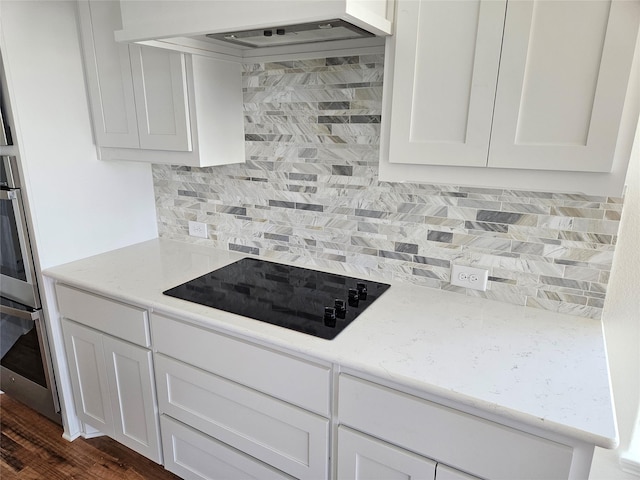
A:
x: 540, y: 368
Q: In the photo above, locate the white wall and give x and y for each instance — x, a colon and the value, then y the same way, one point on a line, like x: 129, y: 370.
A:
x: 621, y: 320
x: 80, y: 205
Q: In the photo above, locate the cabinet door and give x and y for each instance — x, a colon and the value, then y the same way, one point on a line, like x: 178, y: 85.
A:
x: 85, y: 355
x: 361, y: 457
x: 133, y: 399
x: 108, y: 74
x: 563, y: 79
x: 446, y: 473
x: 444, y: 79
x: 160, y: 86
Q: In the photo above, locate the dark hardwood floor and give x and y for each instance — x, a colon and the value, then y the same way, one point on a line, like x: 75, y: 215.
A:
x: 32, y: 447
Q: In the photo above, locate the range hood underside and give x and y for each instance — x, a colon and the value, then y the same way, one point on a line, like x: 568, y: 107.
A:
x: 314, y: 32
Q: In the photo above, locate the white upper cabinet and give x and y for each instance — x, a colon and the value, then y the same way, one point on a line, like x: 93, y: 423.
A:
x: 446, y: 68
x: 564, y: 72
x: 161, y: 99
x: 108, y: 73
x: 516, y: 93
x: 156, y: 105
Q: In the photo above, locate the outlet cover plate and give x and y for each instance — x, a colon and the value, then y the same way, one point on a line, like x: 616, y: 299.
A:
x: 198, y: 229
x: 469, y: 277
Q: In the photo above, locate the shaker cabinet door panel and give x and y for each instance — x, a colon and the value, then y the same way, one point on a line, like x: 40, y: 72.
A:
x: 160, y: 85
x: 361, y: 457
x: 113, y: 387
x: 129, y: 371
x: 108, y: 73
x: 444, y: 79
x: 85, y: 355
x: 564, y: 73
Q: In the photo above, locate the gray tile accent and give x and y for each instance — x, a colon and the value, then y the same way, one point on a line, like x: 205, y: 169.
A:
x: 334, y: 105
x: 370, y: 213
x: 309, y: 193
x: 309, y: 206
x: 395, y: 255
x: 406, y: 247
x: 435, y: 236
x: 275, y: 236
x: 343, y: 60
x: 365, y: 118
x: 506, y: 217
x: 342, y: 170
x: 304, y: 177
x: 333, y: 119
x: 244, y: 249
x: 277, y: 203
x: 231, y: 210
x: 432, y: 261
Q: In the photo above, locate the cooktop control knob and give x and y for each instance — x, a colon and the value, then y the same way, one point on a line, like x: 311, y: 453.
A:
x: 354, y: 297
x: 341, y: 308
x: 362, y: 290
x: 330, y: 316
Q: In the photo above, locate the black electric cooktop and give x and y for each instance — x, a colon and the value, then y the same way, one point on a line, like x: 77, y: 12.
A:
x: 316, y: 303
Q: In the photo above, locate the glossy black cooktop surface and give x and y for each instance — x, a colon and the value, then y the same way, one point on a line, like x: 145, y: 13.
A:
x: 316, y: 303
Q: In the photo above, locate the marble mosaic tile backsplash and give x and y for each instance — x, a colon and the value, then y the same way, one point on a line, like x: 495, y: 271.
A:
x: 309, y: 192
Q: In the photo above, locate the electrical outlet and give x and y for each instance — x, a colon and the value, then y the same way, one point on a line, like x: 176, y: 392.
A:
x: 198, y: 229
x: 469, y: 277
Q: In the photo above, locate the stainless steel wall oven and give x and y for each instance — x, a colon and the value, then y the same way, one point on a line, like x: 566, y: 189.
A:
x: 25, y: 363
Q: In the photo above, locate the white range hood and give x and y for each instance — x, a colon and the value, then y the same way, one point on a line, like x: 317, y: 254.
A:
x: 251, y: 28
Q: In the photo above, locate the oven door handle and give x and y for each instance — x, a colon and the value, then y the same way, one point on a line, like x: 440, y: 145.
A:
x: 19, y: 313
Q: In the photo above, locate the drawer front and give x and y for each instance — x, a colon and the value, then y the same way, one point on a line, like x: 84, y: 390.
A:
x: 108, y: 316
x: 463, y: 441
x: 365, y: 458
x: 193, y: 455
x: 296, y: 381
x: 277, y: 433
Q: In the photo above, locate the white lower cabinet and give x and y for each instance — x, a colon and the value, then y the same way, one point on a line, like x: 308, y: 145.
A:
x: 462, y: 441
x: 250, y: 403
x: 113, y: 387
x: 112, y: 379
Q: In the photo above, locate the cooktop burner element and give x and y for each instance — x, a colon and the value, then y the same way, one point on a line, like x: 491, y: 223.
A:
x: 316, y: 303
